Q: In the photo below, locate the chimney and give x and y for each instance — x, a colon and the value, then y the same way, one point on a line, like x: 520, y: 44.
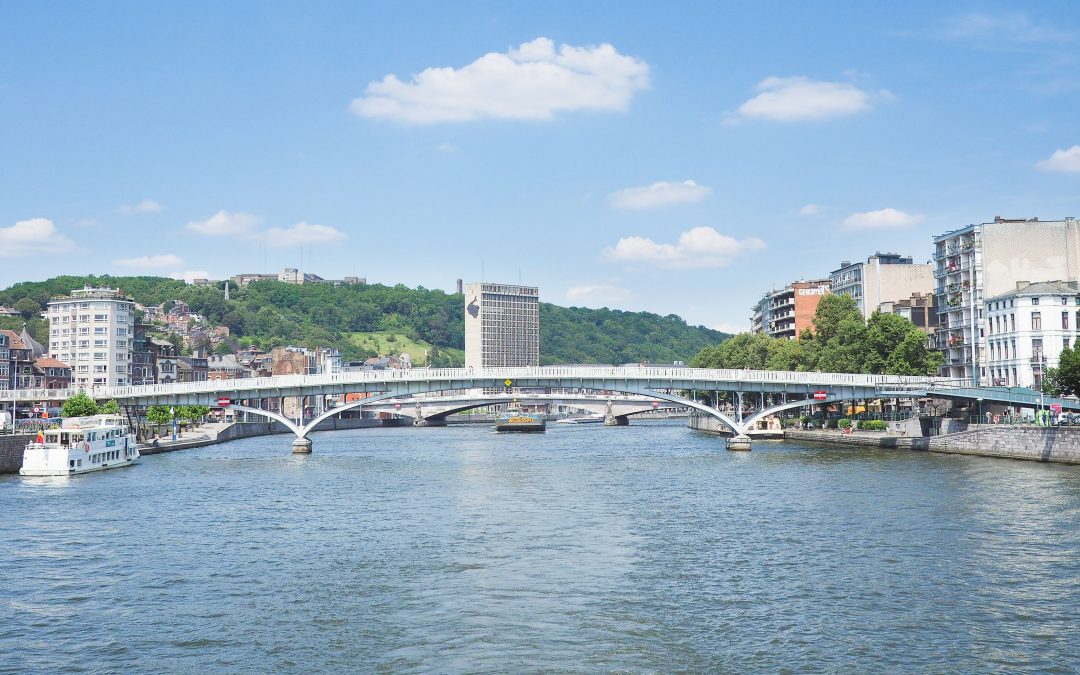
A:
x: 1022, y: 284
x: 460, y: 288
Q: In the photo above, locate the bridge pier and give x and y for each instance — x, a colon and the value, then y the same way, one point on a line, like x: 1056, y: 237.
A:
x: 301, y: 446
x: 429, y: 422
x: 738, y: 442
x: 616, y: 421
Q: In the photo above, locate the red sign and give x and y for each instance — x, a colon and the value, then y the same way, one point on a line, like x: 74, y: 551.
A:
x: 1056, y: 407
x: 820, y: 395
x: 223, y: 402
x: 656, y: 404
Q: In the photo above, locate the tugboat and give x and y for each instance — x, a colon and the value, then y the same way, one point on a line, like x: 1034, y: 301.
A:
x: 516, y: 420
x: 82, y: 445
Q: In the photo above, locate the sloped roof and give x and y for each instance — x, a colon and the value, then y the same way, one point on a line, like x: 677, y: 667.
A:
x: 1041, y: 288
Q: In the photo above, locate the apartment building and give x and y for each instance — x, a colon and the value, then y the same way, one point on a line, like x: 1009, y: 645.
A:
x: 985, y: 260
x: 92, y: 330
x: 883, y: 277
x: 784, y: 313
x: 1027, y: 328
x: 502, y: 325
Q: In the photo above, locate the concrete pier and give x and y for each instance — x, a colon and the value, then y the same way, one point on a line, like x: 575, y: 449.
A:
x: 740, y: 442
x: 429, y: 422
x: 616, y: 421
x: 301, y: 446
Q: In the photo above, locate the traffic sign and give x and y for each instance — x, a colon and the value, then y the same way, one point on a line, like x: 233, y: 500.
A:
x: 1056, y: 407
x: 224, y: 402
x: 821, y: 395
x: 508, y: 382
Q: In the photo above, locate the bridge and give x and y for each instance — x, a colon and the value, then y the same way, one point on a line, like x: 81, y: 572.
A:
x: 775, y: 391
x: 433, y: 410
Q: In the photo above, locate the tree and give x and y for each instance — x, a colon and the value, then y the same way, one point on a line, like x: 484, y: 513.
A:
x: 110, y: 408
x: 79, y: 405
x: 28, y: 308
x: 1064, y: 380
x: 832, y: 311
x: 159, y: 414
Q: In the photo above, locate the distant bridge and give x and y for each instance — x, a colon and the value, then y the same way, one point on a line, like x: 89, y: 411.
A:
x: 793, y: 389
x: 433, y: 410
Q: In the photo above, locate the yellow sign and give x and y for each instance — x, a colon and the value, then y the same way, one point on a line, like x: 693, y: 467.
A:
x: 508, y: 382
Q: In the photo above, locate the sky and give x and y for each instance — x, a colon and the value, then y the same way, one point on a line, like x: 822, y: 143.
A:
x: 671, y: 157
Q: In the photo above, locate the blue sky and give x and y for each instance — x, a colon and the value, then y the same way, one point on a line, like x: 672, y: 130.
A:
x: 677, y: 157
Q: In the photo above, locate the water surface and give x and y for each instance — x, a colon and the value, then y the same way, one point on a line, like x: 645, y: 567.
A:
x: 644, y: 548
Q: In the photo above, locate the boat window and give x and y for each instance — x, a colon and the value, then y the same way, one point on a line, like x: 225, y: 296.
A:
x: 72, y: 464
x: 79, y: 462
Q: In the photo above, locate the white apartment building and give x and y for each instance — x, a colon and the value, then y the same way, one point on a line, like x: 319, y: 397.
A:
x: 884, y: 277
x: 987, y: 260
x: 93, y: 331
x: 502, y: 326
x: 1026, y: 330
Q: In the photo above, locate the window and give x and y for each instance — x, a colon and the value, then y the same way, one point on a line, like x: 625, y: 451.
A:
x: 1034, y: 301
x: 1012, y: 322
x: 1036, y: 321
x: 1065, y: 320
x: 101, y: 317
x: 1065, y: 343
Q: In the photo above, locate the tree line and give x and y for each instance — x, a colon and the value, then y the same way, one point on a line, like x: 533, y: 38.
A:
x: 268, y: 314
x: 842, y: 341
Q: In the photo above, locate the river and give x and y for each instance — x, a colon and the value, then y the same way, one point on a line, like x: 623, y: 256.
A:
x: 641, y: 548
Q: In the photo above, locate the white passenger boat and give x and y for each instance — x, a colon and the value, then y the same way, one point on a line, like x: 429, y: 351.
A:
x: 82, y: 445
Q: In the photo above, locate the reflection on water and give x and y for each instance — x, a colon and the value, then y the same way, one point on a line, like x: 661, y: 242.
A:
x: 646, y: 548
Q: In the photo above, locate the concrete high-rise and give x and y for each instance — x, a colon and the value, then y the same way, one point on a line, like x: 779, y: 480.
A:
x: 502, y: 326
x: 884, y: 277
x: 988, y: 259
x: 93, y: 331
x: 786, y: 312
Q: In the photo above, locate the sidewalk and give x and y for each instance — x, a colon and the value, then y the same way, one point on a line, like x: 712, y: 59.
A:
x: 206, y: 434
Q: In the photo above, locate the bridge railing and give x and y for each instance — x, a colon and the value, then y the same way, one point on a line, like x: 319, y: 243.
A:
x: 656, y: 374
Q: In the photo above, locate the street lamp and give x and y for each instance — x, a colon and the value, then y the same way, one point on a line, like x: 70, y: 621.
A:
x: 980, y: 419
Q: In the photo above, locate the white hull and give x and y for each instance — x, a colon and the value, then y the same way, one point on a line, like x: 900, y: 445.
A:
x: 73, y: 472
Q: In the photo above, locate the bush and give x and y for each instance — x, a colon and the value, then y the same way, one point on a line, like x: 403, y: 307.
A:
x: 844, y: 423
x: 110, y: 408
x: 831, y: 424
x: 804, y: 419
x: 874, y: 425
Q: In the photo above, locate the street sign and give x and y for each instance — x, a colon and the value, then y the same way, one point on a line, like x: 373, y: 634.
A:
x: 224, y: 402
x: 1056, y: 408
x: 821, y: 395
x: 508, y: 382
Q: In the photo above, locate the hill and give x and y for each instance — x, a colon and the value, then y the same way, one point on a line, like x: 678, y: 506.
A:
x: 359, y: 319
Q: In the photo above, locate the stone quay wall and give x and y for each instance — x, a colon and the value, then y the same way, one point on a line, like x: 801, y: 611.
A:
x: 11, y: 451
x: 1039, y: 444
x: 873, y: 439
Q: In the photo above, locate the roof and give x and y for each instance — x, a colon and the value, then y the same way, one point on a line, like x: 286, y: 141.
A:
x: 14, y: 341
x: 49, y: 362
x: 1040, y: 288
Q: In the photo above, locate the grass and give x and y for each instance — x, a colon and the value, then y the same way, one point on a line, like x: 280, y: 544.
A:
x: 387, y: 343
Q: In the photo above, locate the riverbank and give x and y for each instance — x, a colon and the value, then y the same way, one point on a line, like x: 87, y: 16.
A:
x: 1034, y: 444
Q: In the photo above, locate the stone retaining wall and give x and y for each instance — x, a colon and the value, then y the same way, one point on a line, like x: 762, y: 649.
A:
x: 873, y: 439
x: 1040, y: 444
x: 11, y: 452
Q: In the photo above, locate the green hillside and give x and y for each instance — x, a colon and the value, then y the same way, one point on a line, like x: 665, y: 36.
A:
x: 360, y: 319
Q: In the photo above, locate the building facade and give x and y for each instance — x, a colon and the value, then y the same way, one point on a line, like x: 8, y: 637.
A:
x: 920, y: 309
x: 986, y: 260
x: 1027, y: 328
x: 502, y: 326
x: 92, y: 330
x: 882, y: 278
x: 786, y: 312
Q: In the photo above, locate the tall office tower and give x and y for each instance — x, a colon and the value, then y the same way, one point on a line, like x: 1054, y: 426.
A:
x: 93, y: 331
x: 502, y: 325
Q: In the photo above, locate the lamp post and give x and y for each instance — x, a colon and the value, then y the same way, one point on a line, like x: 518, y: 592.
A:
x: 1041, y: 355
x: 980, y: 420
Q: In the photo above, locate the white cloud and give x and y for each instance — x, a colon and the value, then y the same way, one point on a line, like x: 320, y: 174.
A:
x: 531, y: 82
x: 145, y: 206
x: 810, y: 210
x: 301, y: 234
x: 882, y: 219
x: 446, y: 147
x: 1006, y: 27
x: 1067, y: 161
x: 596, y: 293
x: 795, y: 99
x: 84, y: 222
x: 697, y: 247
x: 150, y: 262
x: 223, y: 224
x: 34, y: 236
x: 658, y: 194
x: 190, y: 276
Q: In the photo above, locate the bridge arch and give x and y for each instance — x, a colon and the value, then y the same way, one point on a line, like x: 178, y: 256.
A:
x: 749, y: 422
